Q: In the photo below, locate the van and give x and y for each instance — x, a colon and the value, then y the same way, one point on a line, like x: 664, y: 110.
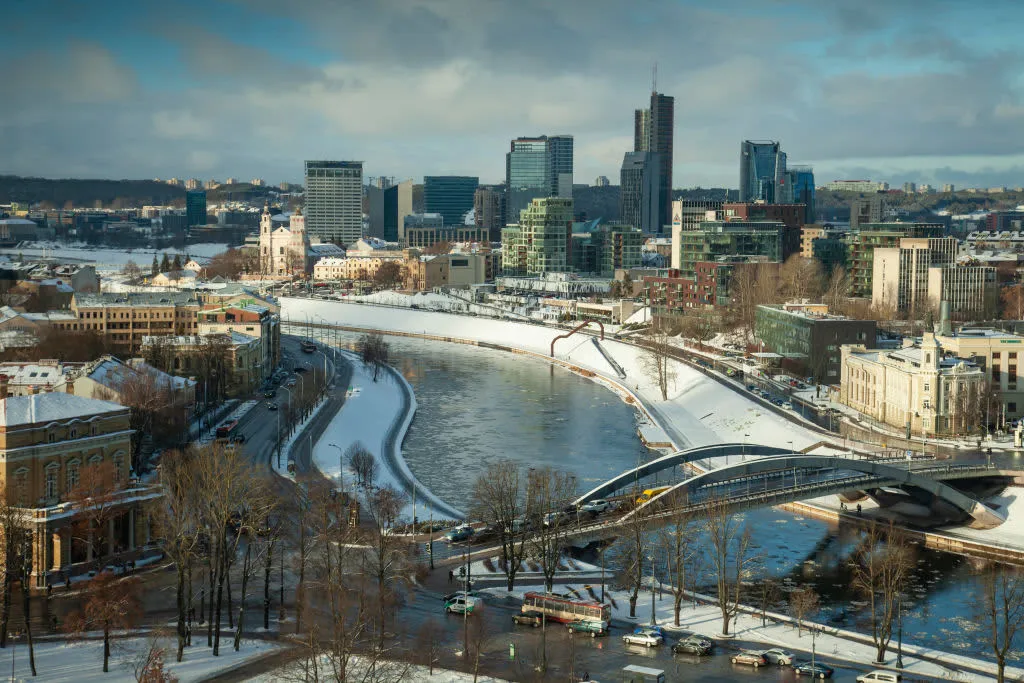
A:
x: 651, y: 493
x: 879, y: 676
x: 641, y: 674
x: 461, y: 604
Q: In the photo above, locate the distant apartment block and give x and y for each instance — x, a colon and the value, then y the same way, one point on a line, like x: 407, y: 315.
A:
x: 856, y: 186
x: 900, y: 274
x: 334, y: 200
x: 871, y: 236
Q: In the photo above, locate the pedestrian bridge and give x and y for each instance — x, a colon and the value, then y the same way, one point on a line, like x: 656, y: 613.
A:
x: 756, y: 476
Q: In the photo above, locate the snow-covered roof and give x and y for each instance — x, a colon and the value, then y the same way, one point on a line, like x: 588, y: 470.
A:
x: 50, y: 316
x: 33, y: 373
x: 110, y: 372
x: 51, y: 407
x: 7, y: 313
x: 16, y: 221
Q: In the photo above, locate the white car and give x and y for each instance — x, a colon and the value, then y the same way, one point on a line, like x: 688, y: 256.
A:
x: 880, y: 676
x: 779, y: 656
x: 596, y: 507
x: 645, y: 638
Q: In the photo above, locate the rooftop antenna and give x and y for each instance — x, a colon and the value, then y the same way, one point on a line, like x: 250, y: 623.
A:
x: 654, y: 78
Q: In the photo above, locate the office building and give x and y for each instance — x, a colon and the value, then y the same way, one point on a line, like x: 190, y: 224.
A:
x: 653, y: 131
x: 718, y: 239
x: 800, y: 189
x: 606, y: 249
x: 640, y: 198
x: 687, y: 215
x: 917, y: 389
x: 537, y: 167
x: 387, y: 208
x: 602, y: 181
x: 195, y: 207
x: 900, y: 274
x: 334, y: 200
x: 449, y: 195
x: 762, y: 171
x: 489, y: 210
x: 792, y: 215
x: 871, y: 236
x: 972, y: 292
x: 542, y: 240
x: 809, y: 339
x: 870, y: 209
x: 1002, y: 221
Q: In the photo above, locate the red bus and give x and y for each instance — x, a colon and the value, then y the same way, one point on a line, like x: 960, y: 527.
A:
x: 225, y: 429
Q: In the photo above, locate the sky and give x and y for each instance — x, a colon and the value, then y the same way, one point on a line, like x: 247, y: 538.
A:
x: 930, y: 91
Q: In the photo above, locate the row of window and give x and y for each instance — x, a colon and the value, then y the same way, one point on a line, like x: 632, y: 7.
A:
x: 72, y: 477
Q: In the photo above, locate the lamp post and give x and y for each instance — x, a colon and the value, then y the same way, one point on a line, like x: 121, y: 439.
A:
x: 341, y: 466
x: 745, y: 437
x: 654, y: 618
x: 899, y: 630
x: 279, y: 425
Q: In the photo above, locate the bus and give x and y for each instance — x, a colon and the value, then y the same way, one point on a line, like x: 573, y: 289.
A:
x: 225, y: 429
x: 651, y: 493
x: 308, y: 347
x: 567, y: 610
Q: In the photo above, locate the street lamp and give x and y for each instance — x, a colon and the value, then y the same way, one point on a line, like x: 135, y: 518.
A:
x: 654, y: 618
x: 279, y: 425
x: 745, y: 437
x: 899, y: 631
x: 341, y: 466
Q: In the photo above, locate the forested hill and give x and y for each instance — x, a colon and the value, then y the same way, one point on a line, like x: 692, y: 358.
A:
x: 87, y: 193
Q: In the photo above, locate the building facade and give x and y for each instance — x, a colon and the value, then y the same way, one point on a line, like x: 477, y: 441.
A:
x: 917, y: 390
x: 125, y: 318
x: 542, y: 240
x: 536, y: 168
x: 489, y: 211
x: 900, y: 274
x: 997, y: 354
x: 334, y: 200
x: 718, y: 239
x: 865, y: 210
x: 195, y: 207
x: 427, y: 237
x: 972, y: 291
x: 640, y: 191
x: 653, y: 131
x: 871, y: 236
x: 762, y: 171
x: 449, y: 195
x: 284, y: 251
x: 809, y: 339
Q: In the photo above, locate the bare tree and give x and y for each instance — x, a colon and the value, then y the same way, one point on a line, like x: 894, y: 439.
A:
x: 498, y: 500
x: 634, y: 543
x: 131, y: 271
x: 768, y: 592
x: 362, y: 463
x: 1001, y: 612
x: 801, y: 278
x: 728, y: 547
x: 548, y: 491
x: 429, y: 644
x: 374, y: 352
x: 1012, y: 297
x: 153, y: 410
x: 112, y: 604
x: 803, y: 603
x: 387, y: 560
x: 837, y: 290
x: 679, y: 552
x: 656, y: 362
x: 148, y: 664
x: 700, y: 326
x: 96, y: 500
x: 881, y: 568
x: 389, y: 274
x: 15, y: 539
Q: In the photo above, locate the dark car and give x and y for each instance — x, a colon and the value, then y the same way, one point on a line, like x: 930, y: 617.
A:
x: 816, y: 670
x: 299, y: 368
x: 271, y: 406
x: 269, y: 393
x: 694, y: 645
x: 238, y: 438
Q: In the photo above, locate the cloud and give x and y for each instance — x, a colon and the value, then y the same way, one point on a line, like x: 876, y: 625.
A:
x: 82, y: 72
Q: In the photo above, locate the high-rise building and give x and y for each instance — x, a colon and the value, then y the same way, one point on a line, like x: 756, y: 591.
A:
x: 871, y: 236
x: 449, y: 195
x: 653, y: 132
x: 687, y: 215
x: 541, y: 241
x: 193, y: 184
x: 949, y: 187
x: 863, y: 210
x: 900, y: 274
x: 489, y: 210
x: 537, y: 167
x: 909, y: 187
x: 762, y: 170
x: 195, y: 207
x: 640, y: 199
x: 387, y: 208
x: 602, y: 181
x: 799, y: 189
x: 334, y: 200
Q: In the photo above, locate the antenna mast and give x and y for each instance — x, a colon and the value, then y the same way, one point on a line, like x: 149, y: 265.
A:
x: 654, y: 78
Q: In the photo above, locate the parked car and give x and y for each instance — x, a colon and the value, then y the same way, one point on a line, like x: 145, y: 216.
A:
x: 751, y: 387
x: 462, y: 604
x: 879, y: 676
x: 271, y: 405
x: 533, y: 619
x: 750, y: 658
x: 646, y: 638
x: 779, y: 656
x: 787, y: 405
x: 657, y: 630
x: 816, y: 670
x: 693, y: 645
x: 596, y: 507
x: 594, y: 628
x: 459, y: 533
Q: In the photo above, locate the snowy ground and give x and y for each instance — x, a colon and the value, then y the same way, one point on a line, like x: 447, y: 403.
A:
x: 371, y: 410
x: 780, y: 631
x: 110, y: 259
x: 385, y: 671
x: 82, y: 662
x: 699, y: 412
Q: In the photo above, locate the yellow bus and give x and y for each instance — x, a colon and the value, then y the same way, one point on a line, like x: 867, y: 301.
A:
x: 651, y: 493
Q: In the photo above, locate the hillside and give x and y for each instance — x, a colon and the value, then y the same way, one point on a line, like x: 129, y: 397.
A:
x: 87, y: 193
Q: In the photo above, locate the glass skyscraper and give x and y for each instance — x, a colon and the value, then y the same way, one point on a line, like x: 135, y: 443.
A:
x: 537, y: 167
x: 449, y: 195
x: 762, y: 171
x: 801, y: 179
x: 653, y: 132
x: 334, y: 200
x: 195, y: 207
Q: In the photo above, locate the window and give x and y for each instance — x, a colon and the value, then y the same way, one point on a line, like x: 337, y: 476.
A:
x: 118, y: 469
x: 72, y: 475
x: 1012, y: 355
x: 927, y: 387
x: 51, y: 480
x: 21, y: 485
x: 74, y: 433
x: 927, y: 404
x: 1011, y: 407
x: 995, y: 355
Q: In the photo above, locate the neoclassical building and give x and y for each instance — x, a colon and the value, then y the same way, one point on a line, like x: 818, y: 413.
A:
x: 284, y: 251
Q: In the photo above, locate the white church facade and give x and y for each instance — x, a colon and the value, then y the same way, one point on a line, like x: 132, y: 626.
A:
x: 284, y: 251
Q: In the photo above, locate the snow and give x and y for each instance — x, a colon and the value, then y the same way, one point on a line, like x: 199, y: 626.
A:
x: 110, y: 259
x: 831, y: 644
x: 82, y: 662
x: 371, y: 410
x: 386, y: 670
x: 51, y: 406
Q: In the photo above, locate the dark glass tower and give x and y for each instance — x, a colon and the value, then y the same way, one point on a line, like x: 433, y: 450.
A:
x: 653, y: 132
x: 537, y: 167
x: 762, y: 171
x: 195, y: 207
x: 449, y: 195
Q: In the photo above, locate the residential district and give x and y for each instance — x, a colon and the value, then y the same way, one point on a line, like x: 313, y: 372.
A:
x: 239, y: 440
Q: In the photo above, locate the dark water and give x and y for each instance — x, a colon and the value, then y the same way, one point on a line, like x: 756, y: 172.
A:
x: 479, y: 405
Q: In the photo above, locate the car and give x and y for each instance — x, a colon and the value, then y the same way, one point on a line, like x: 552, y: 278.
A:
x: 555, y: 518
x: 452, y: 596
x: 880, y: 676
x: 816, y: 670
x: 238, y: 438
x: 596, y: 507
x: 271, y: 405
x: 533, y: 619
x: 787, y: 405
x: 299, y: 368
x: 779, y: 656
x: 656, y: 630
x: 750, y: 658
x: 751, y: 387
x: 459, y: 533
x: 291, y: 383
x: 462, y: 604
x: 645, y: 638
x: 693, y: 645
x: 594, y: 628
x: 270, y: 393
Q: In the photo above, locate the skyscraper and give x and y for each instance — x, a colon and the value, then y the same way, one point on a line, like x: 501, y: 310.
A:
x: 653, y: 132
x: 537, y: 167
x: 762, y: 170
x: 489, y: 210
x: 640, y: 193
x: 449, y: 195
x: 801, y: 189
x: 195, y: 207
x: 334, y: 200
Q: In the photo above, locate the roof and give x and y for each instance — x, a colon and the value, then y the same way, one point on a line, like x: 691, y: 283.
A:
x: 33, y: 373
x: 51, y: 407
x: 135, y: 299
x: 110, y: 371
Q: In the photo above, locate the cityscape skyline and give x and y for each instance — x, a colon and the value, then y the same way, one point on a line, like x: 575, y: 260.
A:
x: 258, y: 88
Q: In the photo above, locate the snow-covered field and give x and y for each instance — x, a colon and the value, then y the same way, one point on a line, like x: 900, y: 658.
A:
x: 383, y: 671
x: 699, y: 412
x: 82, y: 662
x: 110, y: 259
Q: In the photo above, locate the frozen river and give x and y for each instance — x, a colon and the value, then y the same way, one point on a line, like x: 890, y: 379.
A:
x: 478, y: 405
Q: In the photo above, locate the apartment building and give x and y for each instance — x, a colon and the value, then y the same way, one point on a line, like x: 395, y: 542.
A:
x: 125, y: 318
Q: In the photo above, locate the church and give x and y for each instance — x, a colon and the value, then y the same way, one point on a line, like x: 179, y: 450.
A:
x: 284, y: 251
